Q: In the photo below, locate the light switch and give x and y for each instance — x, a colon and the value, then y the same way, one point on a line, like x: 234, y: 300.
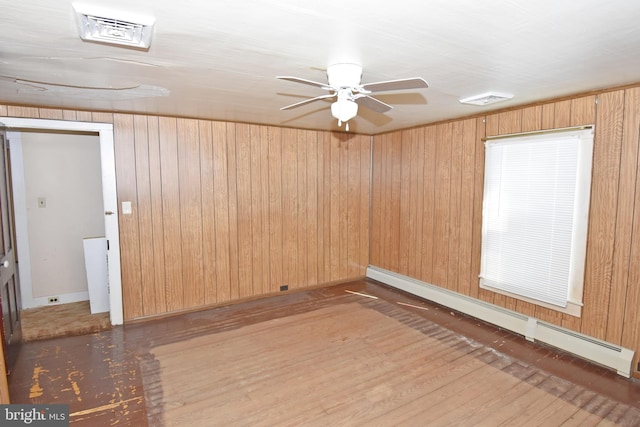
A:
x: 126, y: 208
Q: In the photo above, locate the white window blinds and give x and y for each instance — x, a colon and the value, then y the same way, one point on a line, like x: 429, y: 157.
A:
x: 535, y: 213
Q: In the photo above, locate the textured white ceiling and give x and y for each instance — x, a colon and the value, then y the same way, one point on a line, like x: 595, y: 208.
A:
x: 218, y: 59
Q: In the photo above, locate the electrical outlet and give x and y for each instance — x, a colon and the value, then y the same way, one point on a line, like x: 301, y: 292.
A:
x: 53, y: 300
x: 284, y: 288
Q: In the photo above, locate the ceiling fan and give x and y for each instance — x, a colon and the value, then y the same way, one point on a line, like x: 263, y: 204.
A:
x: 344, y: 85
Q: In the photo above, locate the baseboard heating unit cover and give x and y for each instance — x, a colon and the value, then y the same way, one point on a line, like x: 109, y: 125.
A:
x: 595, y: 350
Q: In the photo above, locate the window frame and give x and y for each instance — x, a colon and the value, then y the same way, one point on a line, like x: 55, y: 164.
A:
x: 575, y: 285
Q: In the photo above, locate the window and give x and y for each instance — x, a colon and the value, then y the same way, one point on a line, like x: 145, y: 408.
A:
x: 535, y: 216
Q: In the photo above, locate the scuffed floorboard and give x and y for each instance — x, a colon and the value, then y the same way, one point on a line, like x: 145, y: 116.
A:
x: 100, y: 375
x: 96, y: 375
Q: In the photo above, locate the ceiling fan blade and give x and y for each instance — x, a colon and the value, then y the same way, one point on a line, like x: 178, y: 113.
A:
x: 307, y: 101
x: 373, y: 104
x: 401, y: 84
x: 305, y: 81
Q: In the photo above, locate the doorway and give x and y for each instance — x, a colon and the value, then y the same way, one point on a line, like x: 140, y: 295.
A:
x: 104, y: 132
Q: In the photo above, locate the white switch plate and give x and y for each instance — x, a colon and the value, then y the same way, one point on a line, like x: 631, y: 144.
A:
x: 126, y: 208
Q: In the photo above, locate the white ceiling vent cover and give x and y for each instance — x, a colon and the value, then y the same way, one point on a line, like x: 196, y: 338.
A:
x: 486, y: 98
x: 113, y: 27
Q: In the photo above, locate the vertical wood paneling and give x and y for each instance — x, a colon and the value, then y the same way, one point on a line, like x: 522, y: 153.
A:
x: 611, y: 297
x: 312, y: 207
x: 323, y: 206
x: 152, y: 237
x: 604, y: 198
x: 417, y: 200
x: 264, y: 134
x: 326, y: 205
x: 334, y: 246
x: 302, y: 211
x: 128, y: 224
x: 583, y: 111
x: 207, y: 172
x: 532, y: 118
x: 548, y: 116
x: 101, y: 117
x: 244, y: 212
x: 353, y: 203
x: 157, y: 222
x: 259, y: 176
x: 26, y: 112
x: 478, y: 191
x: 393, y: 225
x: 510, y: 122
x: 84, y: 116
x: 622, y: 294
x: 428, y: 207
x: 455, y: 206
x: 441, y: 215
x: 223, y: 211
x: 343, y: 205
x: 365, y: 202
x: 69, y: 115
x: 631, y: 321
x: 171, y: 213
x: 232, y: 206
x: 274, y: 141
x: 289, y: 206
x: 385, y: 199
x: 50, y: 113
x: 222, y: 200
x: 147, y: 266
x: 190, y: 212
x: 377, y: 164
x: 406, y: 225
x: 467, y: 187
x: 562, y: 114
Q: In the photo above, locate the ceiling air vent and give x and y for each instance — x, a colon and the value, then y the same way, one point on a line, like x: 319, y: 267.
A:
x: 486, y: 98
x: 108, y: 26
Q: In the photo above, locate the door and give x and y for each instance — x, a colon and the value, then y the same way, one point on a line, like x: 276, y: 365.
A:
x: 9, y: 286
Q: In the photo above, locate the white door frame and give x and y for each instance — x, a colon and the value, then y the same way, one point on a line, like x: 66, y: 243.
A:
x: 110, y: 198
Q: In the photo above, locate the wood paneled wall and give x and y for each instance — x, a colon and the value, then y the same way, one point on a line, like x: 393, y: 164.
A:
x: 427, y: 207
x: 225, y: 211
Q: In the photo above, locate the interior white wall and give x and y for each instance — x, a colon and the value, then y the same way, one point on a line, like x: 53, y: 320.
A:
x: 64, y: 169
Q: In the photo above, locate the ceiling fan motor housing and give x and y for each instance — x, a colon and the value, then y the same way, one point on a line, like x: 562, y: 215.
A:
x: 344, y: 75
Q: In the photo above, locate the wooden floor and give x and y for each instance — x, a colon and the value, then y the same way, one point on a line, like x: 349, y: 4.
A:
x: 331, y: 356
x: 62, y: 320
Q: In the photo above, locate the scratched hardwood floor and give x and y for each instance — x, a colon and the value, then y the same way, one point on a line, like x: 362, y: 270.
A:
x: 316, y: 357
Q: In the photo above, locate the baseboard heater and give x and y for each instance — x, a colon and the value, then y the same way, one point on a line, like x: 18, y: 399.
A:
x: 600, y: 352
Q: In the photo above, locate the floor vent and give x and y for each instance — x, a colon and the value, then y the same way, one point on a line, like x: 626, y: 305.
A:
x: 600, y: 352
x: 105, y: 26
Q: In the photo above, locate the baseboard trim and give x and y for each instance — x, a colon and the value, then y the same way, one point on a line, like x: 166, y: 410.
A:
x: 601, y: 352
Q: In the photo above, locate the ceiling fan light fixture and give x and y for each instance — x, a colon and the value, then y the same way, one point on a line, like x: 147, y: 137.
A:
x: 344, y: 110
x: 486, y: 98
